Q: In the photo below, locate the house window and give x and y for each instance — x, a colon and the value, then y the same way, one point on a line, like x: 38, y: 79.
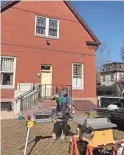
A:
x: 77, y: 76
x: 41, y: 25
x: 103, y: 78
x: 46, y: 27
x: 112, y: 78
x: 7, y: 68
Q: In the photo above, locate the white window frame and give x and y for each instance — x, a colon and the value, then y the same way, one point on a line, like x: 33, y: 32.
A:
x: 82, y: 87
x: 47, y: 28
x: 14, y: 73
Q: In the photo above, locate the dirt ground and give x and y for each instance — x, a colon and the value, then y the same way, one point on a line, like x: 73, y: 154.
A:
x: 13, y: 133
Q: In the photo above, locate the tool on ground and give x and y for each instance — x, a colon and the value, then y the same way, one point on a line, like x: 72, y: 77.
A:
x: 93, y: 134
x: 29, y: 124
x: 44, y: 117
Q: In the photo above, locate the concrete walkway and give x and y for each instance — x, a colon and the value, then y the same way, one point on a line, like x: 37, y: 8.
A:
x: 7, y: 115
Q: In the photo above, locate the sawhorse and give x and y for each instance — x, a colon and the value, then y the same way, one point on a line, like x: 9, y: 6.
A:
x: 89, y: 150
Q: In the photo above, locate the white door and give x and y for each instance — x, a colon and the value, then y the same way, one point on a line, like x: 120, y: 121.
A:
x: 46, y: 82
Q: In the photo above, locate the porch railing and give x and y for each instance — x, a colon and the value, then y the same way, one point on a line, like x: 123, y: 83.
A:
x: 39, y: 93
x: 28, y: 99
x: 49, y: 90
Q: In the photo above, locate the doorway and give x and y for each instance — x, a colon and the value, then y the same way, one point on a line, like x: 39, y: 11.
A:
x: 46, y: 81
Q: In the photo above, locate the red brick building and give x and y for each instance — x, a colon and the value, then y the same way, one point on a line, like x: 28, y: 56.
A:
x: 38, y: 36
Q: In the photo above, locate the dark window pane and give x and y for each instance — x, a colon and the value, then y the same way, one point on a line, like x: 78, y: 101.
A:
x: 40, y: 30
x: 52, y: 24
x: 45, y: 67
x: 6, y: 106
x: 41, y: 21
x: 52, y: 32
x: 7, y: 79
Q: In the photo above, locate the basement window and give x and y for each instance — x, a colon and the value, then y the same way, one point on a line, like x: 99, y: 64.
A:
x: 46, y: 27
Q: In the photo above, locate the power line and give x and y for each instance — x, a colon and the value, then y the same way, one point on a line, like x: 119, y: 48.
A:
x: 68, y: 63
x: 63, y: 66
x: 39, y: 48
x: 44, y: 15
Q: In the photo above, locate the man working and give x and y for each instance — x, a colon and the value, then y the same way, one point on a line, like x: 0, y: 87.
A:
x: 63, y: 101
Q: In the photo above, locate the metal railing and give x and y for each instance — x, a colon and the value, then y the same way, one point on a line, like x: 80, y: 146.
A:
x: 29, y: 98
x: 39, y: 93
x: 49, y: 90
x: 27, y: 92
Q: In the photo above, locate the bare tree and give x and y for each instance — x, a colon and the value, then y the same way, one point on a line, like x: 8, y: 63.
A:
x: 122, y: 57
x: 102, y: 56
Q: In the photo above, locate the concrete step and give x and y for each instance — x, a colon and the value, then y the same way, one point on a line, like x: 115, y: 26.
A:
x: 46, y: 105
x: 7, y: 115
x: 49, y: 102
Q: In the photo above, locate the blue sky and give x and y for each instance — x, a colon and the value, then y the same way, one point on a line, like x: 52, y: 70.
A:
x: 106, y: 19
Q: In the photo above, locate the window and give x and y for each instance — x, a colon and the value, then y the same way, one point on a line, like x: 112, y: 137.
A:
x: 46, y: 27
x: 7, y: 68
x: 112, y: 78
x: 6, y: 106
x: 77, y: 79
x: 103, y: 78
x: 41, y: 25
x: 45, y: 67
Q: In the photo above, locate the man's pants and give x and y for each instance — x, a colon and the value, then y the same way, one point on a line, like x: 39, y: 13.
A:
x: 59, y: 127
x: 62, y: 108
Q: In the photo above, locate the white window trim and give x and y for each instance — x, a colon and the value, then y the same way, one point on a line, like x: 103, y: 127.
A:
x: 81, y: 88
x: 47, y: 28
x: 14, y: 73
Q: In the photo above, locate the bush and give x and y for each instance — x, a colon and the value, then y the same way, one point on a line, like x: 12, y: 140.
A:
x: 106, y: 90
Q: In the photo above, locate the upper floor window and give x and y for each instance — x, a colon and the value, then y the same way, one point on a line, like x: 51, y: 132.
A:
x: 46, y: 27
x: 77, y: 76
x: 7, y: 68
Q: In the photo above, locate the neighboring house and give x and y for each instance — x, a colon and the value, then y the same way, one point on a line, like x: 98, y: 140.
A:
x: 47, y: 43
x: 111, y: 73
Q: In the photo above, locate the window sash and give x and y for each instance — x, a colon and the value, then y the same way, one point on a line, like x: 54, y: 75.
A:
x: 77, y: 82
x: 7, y: 65
x: 7, y: 81
x: 77, y: 69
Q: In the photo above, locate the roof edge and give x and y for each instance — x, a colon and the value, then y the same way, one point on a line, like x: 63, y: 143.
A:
x: 93, y: 43
x: 8, y: 4
x: 83, y: 23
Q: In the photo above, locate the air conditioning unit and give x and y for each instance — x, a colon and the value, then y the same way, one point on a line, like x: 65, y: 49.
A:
x: 24, y: 86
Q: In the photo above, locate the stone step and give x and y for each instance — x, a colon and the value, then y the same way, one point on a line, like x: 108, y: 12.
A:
x: 49, y: 102
x: 7, y: 115
x: 46, y: 105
